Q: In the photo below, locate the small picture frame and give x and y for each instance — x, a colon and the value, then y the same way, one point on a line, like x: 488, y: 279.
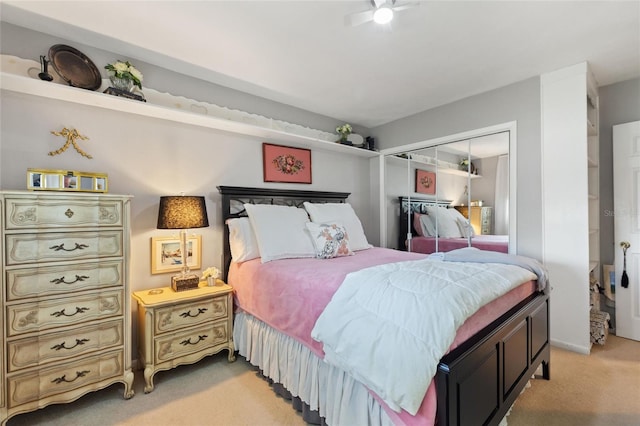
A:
x: 66, y: 180
x: 425, y: 182
x: 166, y: 256
x: 286, y: 164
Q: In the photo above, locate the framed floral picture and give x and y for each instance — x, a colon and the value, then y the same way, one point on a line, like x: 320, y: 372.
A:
x: 166, y: 255
x: 425, y: 182
x: 286, y: 164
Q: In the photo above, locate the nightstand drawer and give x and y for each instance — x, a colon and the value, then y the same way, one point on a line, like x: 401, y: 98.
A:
x: 190, y: 313
x: 183, y: 343
x: 38, y: 316
x: 50, y: 247
x: 54, y: 382
x: 51, y: 280
x: 63, y: 345
x: 25, y: 213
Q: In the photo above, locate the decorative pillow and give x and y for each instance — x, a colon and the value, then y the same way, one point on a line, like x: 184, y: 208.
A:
x: 280, y: 231
x: 465, y: 227
x: 466, y: 230
x: 447, y: 226
x: 427, y: 225
x: 343, y: 213
x: 330, y: 240
x: 242, y: 240
x: 417, y: 226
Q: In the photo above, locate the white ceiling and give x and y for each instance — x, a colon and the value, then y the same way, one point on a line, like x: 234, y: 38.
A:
x: 301, y: 52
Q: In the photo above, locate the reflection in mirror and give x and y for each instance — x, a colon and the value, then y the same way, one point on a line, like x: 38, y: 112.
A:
x: 450, y: 196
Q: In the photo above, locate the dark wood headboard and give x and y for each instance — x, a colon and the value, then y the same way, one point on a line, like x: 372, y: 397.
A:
x: 233, y: 198
x: 417, y: 205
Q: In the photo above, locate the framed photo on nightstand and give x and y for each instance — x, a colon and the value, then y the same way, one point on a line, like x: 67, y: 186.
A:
x: 166, y: 256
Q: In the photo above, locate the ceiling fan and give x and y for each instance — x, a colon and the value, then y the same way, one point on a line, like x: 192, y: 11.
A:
x: 381, y: 13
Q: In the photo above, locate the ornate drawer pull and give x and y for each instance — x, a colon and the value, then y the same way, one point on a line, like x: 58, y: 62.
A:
x: 62, y: 281
x: 188, y: 313
x: 61, y: 247
x: 63, y: 314
x: 188, y: 341
x: 79, y: 342
x: 69, y: 213
x: 63, y: 379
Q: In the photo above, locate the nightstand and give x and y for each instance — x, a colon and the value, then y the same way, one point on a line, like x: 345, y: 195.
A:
x: 176, y: 328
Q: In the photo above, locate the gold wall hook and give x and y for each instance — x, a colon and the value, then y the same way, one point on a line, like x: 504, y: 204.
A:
x: 72, y: 135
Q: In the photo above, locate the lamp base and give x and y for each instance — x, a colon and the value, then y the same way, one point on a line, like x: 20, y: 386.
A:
x: 188, y: 282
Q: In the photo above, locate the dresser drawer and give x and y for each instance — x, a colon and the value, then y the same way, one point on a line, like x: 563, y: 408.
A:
x: 55, y: 381
x: 63, y: 345
x: 51, y: 280
x: 25, y: 213
x: 183, y: 343
x: 191, y: 313
x: 50, y: 247
x: 45, y: 315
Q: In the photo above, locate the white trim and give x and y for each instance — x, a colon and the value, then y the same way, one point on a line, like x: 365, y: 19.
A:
x: 510, y: 126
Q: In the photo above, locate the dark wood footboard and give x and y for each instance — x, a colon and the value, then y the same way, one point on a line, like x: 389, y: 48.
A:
x: 479, y: 381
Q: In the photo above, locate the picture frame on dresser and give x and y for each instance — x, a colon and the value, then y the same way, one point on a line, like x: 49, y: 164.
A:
x: 165, y: 253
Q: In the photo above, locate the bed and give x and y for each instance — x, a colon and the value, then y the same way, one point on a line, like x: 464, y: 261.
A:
x: 430, y: 244
x: 475, y: 383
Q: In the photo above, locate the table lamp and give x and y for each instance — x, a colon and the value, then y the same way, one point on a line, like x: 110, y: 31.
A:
x: 183, y: 212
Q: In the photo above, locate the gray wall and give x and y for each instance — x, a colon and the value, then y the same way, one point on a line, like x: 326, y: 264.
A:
x: 518, y: 102
x: 619, y: 103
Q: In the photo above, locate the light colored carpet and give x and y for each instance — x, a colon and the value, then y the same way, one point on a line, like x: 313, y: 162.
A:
x: 595, y: 390
x: 600, y: 389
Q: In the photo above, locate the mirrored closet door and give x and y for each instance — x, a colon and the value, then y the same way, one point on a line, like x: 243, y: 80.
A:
x: 449, y: 196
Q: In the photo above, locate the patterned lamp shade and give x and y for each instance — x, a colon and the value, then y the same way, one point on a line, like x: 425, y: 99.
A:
x: 182, y: 212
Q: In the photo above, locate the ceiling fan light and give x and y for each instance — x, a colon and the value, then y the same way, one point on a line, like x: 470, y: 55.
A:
x: 383, y: 15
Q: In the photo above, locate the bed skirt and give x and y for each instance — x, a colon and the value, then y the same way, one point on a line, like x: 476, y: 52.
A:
x: 337, y: 397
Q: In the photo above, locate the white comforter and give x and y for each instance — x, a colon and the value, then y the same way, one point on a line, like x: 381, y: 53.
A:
x: 389, y: 325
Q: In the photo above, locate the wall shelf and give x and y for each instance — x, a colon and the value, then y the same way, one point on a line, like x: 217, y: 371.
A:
x: 443, y: 166
x: 274, y: 131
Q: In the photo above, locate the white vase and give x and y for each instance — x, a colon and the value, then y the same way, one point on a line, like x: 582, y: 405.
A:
x: 125, y: 84
x: 211, y: 281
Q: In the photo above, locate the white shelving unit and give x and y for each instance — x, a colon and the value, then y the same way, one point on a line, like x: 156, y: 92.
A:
x: 242, y: 123
x: 570, y: 199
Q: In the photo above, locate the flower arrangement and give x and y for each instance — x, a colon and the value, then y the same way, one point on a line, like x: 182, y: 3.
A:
x: 344, y: 131
x: 126, y: 71
x: 212, y: 272
x: 468, y: 166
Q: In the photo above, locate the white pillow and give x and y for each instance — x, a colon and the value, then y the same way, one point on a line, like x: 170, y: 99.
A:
x: 280, y: 231
x: 447, y: 226
x: 428, y: 227
x: 242, y: 240
x: 330, y: 240
x: 343, y: 213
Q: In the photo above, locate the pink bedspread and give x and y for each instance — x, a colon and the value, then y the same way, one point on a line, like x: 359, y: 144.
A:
x: 290, y: 294
x: 498, y: 243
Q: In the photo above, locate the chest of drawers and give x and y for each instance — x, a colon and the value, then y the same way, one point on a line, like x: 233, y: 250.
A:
x: 65, y: 298
x: 182, y: 327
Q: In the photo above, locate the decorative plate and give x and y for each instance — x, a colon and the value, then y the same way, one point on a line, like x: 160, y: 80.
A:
x: 74, y: 67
